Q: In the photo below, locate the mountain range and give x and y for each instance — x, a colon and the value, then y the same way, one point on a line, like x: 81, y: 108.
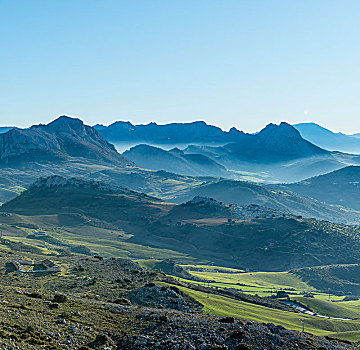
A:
x: 69, y: 148
x: 279, y: 151
x: 201, y: 133
x: 173, y: 133
x: 208, y: 151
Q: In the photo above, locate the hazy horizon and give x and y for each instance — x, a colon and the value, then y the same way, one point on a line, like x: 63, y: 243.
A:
x: 233, y: 63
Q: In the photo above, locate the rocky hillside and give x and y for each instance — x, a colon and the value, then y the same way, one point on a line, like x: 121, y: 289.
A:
x: 92, y: 198
x: 115, y: 304
x: 60, y: 183
x: 210, y: 206
x: 203, y: 228
x: 277, y: 198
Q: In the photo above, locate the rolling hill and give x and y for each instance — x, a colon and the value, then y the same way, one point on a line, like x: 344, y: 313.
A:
x: 341, y: 187
x: 176, y: 161
x: 341, y: 279
x: 110, y: 220
x: 276, y: 197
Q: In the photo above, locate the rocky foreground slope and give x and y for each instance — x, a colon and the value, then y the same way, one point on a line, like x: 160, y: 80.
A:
x: 97, y: 303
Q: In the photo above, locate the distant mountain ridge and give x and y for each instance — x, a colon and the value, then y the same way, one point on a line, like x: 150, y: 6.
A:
x: 327, y: 139
x: 275, y: 144
x: 173, y: 133
x: 278, y: 150
x: 70, y: 148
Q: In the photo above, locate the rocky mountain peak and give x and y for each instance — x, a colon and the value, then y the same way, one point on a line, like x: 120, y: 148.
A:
x: 66, y: 121
x: 277, y: 132
x: 69, y: 125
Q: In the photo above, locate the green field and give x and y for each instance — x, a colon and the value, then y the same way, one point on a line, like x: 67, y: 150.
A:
x: 262, y: 280
x: 345, y: 309
x: 212, y: 268
x: 264, y: 283
x: 218, y: 305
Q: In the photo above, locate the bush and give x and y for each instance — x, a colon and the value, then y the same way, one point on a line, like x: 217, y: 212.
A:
x: 101, y: 339
x: 228, y: 319
x: 60, y: 298
x: 243, y: 346
x: 238, y: 334
x: 163, y: 318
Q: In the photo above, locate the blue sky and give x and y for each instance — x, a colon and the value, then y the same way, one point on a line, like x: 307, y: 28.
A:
x: 230, y: 63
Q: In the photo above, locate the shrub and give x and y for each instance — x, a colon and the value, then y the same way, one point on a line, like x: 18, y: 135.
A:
x: 60, y: 298
x: 101, y: 339
x: 238, y: 334
x: 227, y: 319
x: 243, y: 346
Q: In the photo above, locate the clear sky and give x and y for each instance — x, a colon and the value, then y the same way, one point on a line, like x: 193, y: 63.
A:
x: 240, y: 63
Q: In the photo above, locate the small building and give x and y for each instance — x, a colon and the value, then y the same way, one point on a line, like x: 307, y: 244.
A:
x: 13, y: 266
x: 46, y: 266
x: 40, y: 233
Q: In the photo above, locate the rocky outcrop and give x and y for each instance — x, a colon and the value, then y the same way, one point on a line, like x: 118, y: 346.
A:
x: 163, y: 297
x: 61, y: 139
x: 234, y: 211
x: 55, y: 182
